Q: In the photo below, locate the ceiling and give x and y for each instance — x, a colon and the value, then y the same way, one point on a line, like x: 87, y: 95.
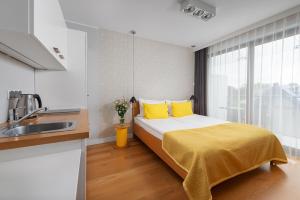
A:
x: 161, y: 20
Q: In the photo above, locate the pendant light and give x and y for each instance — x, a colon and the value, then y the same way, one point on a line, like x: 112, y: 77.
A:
x: 133, y: 99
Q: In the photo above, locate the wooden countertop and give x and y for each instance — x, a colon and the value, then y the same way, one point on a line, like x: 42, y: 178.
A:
x: 80, y: 132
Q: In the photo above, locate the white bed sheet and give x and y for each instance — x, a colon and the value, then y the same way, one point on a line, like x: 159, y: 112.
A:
x: 158, y: 127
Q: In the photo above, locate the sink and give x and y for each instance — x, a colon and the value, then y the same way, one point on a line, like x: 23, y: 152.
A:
x: 38, y: 128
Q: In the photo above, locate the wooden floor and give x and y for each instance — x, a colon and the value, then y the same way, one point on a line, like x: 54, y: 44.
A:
x: 137, y: 173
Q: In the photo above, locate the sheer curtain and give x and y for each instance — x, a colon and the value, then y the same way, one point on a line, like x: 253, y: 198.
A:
x: 255, y: 78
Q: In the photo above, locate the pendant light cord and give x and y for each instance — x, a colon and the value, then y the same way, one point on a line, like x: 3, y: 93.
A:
x: 133, y: 100
x: 133, y: 68
x: 133, y: 61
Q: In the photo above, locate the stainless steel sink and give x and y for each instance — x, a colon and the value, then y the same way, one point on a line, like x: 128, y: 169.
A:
x: 38, y: 128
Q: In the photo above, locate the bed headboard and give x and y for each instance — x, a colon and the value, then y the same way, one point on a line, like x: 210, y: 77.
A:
x: 135, y: 109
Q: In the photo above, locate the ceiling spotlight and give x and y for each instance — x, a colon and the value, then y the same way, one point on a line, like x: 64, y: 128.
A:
x: 198, y: 13
x: 188, y: 9
x: 198, y: 8
x: 207, y: 16
x: 193, y: 46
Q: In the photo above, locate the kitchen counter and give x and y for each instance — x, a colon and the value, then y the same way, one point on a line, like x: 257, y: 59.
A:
x: 80, y: 132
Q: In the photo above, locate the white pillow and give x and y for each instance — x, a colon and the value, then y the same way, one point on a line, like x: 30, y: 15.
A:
x: 169, y: 102
x: 148, y: 101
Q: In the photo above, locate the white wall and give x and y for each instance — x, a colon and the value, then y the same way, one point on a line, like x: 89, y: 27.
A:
x: 14, y: 75
x: 66, y: 89
x: 163, y: 71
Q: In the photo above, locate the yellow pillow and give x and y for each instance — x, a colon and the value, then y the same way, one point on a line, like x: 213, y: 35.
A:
x: 155, y: 111
x: 181, y: 109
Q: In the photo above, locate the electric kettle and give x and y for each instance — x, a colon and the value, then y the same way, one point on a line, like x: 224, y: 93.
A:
x: 26, y: 104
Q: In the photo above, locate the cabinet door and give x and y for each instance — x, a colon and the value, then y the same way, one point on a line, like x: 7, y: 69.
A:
x: 50, y: 29
x: 44, y: 177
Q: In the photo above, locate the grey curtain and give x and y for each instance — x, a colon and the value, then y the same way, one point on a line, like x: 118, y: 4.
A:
x: 200, y: 104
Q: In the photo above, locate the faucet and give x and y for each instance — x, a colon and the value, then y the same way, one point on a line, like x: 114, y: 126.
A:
x: 16, y: 122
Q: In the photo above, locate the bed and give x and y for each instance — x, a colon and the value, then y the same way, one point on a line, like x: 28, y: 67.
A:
x: 158, y: 134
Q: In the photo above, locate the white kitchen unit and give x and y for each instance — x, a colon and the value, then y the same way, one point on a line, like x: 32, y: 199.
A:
x: 34, y: 32
x: 43, y: 172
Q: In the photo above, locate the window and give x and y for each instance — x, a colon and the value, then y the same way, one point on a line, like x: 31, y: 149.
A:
x: 255, y: 78
x: 276, y: 89
x: 228, y: 81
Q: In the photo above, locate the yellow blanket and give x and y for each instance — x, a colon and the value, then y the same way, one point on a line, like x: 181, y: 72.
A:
x: 214, y: 154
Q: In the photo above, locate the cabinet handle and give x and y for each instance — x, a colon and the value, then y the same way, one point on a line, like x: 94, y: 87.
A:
x: 61, y: 56
x: 56, y: 50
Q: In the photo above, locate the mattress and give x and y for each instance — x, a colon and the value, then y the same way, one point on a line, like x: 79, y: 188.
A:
x: 157, y: 127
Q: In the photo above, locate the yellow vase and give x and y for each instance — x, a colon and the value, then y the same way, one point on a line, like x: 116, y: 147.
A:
x: 121, y: 135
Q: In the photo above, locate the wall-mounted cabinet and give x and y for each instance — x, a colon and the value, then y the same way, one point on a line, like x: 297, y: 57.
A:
x: 34, y: 32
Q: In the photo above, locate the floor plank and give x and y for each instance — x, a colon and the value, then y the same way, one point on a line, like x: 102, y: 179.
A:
x: 136, y: 173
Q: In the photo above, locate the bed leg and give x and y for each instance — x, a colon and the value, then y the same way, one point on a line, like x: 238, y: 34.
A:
x: 134, y: 136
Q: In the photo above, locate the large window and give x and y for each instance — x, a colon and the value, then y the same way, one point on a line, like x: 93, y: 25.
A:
x: 227, y: 85
x: 276, y: 88
x: 255, y: 78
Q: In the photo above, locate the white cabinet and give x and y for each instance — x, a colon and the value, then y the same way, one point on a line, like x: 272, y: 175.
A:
x: 50, y: 28
x: 47, y: 172
x: 34, y: 32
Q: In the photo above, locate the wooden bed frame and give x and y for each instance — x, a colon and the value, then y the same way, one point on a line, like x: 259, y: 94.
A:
x: 154, y: 143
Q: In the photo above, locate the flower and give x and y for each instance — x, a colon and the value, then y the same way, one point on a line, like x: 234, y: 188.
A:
x: 121, y: 106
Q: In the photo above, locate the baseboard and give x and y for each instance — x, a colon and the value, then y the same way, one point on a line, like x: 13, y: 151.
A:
x: 93, y: 141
